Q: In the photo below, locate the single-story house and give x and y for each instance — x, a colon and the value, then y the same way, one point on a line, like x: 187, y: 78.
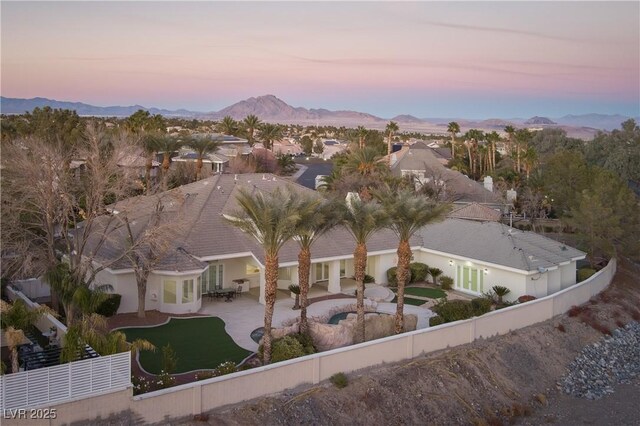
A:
x: 205, y: 252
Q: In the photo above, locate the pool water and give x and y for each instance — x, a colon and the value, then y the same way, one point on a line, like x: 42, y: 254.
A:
x: 257, y: 334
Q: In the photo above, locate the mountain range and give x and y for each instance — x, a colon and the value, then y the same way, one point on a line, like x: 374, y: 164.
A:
x: 272, y: 109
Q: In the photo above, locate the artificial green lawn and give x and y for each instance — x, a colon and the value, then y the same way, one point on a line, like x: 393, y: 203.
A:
x: 431, y: 293
x: 410, y: 301
x: 200, y: 343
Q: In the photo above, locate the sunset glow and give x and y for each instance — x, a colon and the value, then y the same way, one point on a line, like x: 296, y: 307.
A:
x: 426, y: 59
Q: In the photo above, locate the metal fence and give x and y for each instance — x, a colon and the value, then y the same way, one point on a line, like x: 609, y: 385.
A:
x: 64, y: 382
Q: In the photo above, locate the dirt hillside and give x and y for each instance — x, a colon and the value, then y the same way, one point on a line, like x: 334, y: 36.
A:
x: 495, y: 381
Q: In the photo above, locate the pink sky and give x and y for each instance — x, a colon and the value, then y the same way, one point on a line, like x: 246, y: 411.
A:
x: 426, y: 59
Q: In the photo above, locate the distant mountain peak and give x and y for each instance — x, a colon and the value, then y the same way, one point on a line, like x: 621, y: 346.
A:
x: 539, y: 120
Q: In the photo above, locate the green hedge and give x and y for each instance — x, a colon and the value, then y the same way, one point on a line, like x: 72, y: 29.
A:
x: 480, y: 305
x: 110, y: 305
x: 437, y: 320
x: 290, y: 346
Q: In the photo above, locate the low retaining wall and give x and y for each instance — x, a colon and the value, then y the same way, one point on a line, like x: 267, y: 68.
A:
x: 195, y: 398
x: 45, y: 322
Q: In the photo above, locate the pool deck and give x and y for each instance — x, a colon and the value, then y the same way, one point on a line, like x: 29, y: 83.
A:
x: 245, y: 314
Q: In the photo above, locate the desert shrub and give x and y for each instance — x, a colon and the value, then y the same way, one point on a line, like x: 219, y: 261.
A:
x: 437, y: 320
x: 392, y: 277
x: 109, y: 306
x: 140, y: 384
x: 369, y: 279
x: 500, y: 291
x: 419, y: 272
x: 165, y: 380
x: 226, y: 367
x: 453, y: 310
x: 480, y: 305
x: 204, y: 375
x: 339, y: 380
x: 584, y: 273
x: 435, y: 274
x: 526, y: 298
x: 289, y: 347
x: 306, y: 341
x: 446, y: 283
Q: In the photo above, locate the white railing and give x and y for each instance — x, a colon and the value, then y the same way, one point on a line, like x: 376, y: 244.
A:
x: 60, y: 383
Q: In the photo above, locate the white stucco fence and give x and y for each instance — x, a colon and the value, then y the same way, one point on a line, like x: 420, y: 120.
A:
x: 198, y: 397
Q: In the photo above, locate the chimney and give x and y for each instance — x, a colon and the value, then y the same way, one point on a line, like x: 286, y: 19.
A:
x: 488, y: 183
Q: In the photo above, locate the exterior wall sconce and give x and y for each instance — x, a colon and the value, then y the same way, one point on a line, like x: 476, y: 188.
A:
x: 486, y: 271
x: 450, y: 262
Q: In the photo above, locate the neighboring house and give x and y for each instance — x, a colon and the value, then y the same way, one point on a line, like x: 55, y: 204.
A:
x: 475, y: 211
x: 207, y: 252
x: 286, y: 147
x: 217, y: 162
x: 418, y: 160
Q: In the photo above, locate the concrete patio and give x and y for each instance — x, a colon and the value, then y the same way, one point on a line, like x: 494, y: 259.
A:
x: 244, y: 314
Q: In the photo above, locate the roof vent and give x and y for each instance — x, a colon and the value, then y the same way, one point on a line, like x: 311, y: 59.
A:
x: 235, y: 177
x: 274, y: 179
x: 218, y: 187
x: 264, y: 177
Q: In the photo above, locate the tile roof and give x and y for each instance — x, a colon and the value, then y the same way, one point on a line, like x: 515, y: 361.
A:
x: 475, y: 211
x: 201, y: 233
x: 496, y: 243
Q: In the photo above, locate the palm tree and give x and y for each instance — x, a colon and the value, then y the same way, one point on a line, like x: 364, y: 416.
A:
x: 202, y: 146
x: 510, y: 131
x: 270, y: 218
x: 435, y: 274
x: 228, y: 126
x: 316, y: 219
x: 522, y: 139
x: 15, y: 319
x: 361, y: 219
x: 361, y: 133
x: 392, y: 127
x: 270, y: 133
x: 167, y: 145
x: 407, y: 213
x: 529, y: 160
x: 454, y: 129
x: 492, y: 138
x: 251, y: 123
x: 365, y: 162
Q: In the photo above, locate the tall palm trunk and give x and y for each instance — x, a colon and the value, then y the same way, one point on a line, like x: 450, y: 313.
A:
x: 453, y: 147
x: 165, y: 170
x: 389, y: 149
x: 14, y: 338
x: 470, y: 158
x: 360, y: 266
x: 271, y: 278
x: 304, y: 267
x: 402, y: 273
x: 518, y: 163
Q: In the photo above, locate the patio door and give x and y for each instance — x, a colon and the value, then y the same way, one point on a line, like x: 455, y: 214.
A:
x: 469, y: 279
x: 322, y: 271
x: 214, y: 277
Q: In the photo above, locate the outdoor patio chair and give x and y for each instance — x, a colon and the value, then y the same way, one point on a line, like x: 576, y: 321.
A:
x: 239, y: 291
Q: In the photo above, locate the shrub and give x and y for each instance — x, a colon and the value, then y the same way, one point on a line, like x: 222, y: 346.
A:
x: 204, y: 375
x: 480, y: 305
x: 453, y: 310
x: 109, y: 306
x: 446, y: 283
x: 290, y: 346
x: 500, y: 291
x: 339, y: 380
x: 437, y: 320
x: 306, y: 341
x: 526, y: 298
x: 169, y: 359
x: 392, y: 278
x: 226, y: 367
x: 435, y: 273
x: 369, y: 279
x: 419, y: 272
x: 140, y: 384
x: 584, y: 273
x: 165, y: 380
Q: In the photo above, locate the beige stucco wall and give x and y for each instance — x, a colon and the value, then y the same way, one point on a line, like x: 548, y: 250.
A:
x: 554, y: 283
x: 195, y: 398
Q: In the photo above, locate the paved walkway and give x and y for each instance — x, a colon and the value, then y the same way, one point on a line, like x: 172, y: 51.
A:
x: 245, y: 314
